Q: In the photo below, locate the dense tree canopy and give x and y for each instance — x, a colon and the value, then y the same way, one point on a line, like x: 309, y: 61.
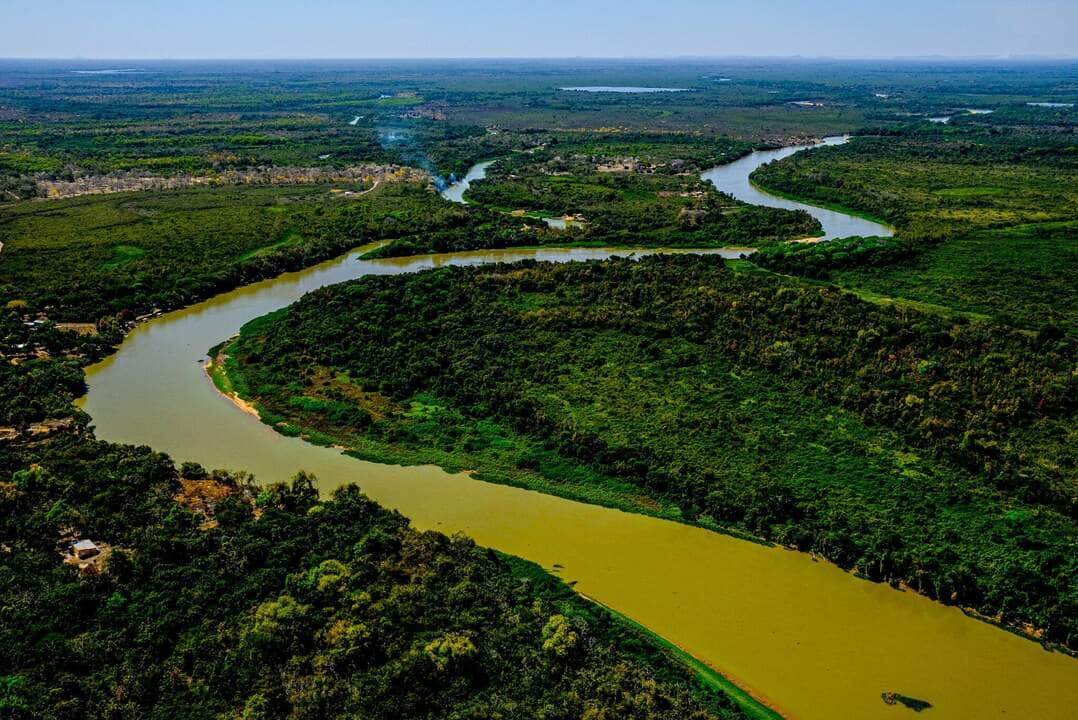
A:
x: 934, y: 448
x: 906, y: 445
x: 985, y: 209
x: 289, y: 606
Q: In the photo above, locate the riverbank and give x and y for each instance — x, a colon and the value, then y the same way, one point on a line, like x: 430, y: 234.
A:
x: 519, y: 522
x: 433, y: 427
x: 217, y: 370
x: 826, y: 206
x: 226, y: 374
x: 753, y: 703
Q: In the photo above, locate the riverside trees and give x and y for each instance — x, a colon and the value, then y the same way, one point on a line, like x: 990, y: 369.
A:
x: 288, y: 605
x: 908, y: 446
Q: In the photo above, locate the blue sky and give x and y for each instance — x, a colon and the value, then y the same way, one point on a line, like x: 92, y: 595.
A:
x: 535, y: 28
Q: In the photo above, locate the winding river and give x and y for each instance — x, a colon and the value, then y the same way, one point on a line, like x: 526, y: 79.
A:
x: 810, y: 639
x: 733, y: 179
x: 455, y: 192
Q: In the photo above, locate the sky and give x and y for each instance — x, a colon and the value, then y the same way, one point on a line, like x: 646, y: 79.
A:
x: 144, y: 29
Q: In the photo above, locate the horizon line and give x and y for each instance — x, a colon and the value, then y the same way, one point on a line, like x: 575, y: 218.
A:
x: 657, y: 58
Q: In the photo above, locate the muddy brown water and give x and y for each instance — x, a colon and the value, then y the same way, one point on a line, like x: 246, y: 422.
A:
x: 813, y: 640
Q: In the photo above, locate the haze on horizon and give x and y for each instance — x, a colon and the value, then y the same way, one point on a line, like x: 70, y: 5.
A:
x: 336, y: 29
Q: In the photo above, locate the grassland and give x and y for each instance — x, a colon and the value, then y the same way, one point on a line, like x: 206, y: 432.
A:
x: 985, y: 211
x: 1022, y: 275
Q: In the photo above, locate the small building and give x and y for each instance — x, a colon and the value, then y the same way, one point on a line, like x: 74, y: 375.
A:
x: 85, y: 549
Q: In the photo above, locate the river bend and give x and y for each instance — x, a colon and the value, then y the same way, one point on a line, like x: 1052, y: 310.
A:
x: 814, y: 641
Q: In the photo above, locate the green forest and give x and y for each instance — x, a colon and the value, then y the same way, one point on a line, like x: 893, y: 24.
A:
x: 939, y: 453
x: 904, y: 407
x: 985, y: 208
x: 87, y: 258
x: 276, y: 603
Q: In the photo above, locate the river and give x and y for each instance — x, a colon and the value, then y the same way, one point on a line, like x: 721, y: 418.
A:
x: 455, y: 192
x: 733, y: 179
x: 814, y: 641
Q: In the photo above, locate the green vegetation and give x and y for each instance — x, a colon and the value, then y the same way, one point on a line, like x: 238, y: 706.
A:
x: 642, y: 190
x: 126, y: 254
x: 914, y: 448
x: 938, y: 182
x: 287, y: 606
x: 667, y: 153
x: 216, y: 597
x: 121, y: 255
x: 985, y: 210
x: 920, y: 431
x: 820, y: 260
x: 1023, y: 275
x: 90, y: 257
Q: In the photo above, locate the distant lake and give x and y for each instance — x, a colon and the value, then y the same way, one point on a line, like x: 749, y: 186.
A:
x: 945, y: 119
x: 109, y: 71
x: 1052, y: 105
x: 622, y: 89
